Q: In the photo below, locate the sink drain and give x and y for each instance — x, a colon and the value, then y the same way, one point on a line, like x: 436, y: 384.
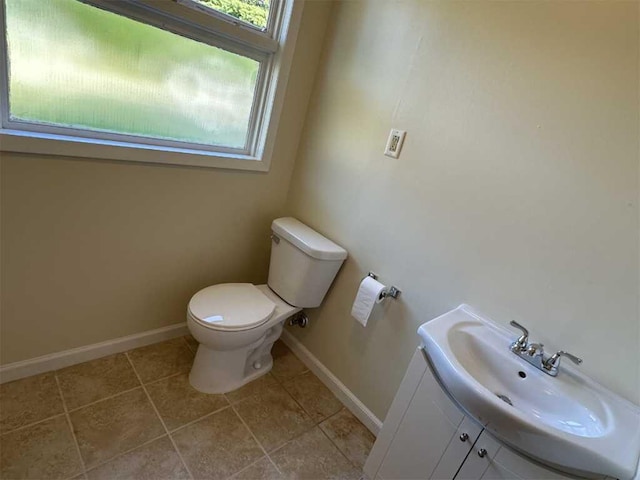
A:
x: 504, y: 398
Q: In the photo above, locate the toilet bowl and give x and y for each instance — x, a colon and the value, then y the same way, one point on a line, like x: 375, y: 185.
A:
x: 236, y: 324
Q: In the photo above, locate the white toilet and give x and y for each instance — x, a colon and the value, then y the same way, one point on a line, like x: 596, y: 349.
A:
x: 236, y: 324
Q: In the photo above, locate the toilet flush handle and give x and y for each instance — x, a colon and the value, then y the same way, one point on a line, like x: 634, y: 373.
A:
x: 275, y: 238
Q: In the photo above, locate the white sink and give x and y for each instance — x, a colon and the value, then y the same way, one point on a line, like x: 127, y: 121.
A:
x: 569, y: 422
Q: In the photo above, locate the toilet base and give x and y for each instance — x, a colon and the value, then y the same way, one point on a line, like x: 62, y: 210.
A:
x: 222, y: 371
x: 204, y: 385
x: 221, y: 384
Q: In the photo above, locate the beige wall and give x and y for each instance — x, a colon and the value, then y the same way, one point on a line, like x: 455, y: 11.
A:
x: 516, y: 192
x: 94, y: 250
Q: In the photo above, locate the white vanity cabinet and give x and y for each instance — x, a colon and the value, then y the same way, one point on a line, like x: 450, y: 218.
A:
x: 427, y: 436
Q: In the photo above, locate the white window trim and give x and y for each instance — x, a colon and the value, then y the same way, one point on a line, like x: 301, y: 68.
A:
x: 270, y: 105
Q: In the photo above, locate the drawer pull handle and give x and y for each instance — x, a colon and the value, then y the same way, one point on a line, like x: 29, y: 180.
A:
x: 482, y: 453
x: 464, y: 437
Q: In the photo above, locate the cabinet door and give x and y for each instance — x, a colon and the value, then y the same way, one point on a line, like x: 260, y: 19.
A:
x: 480, y: 457
x: 457, y: 450
x: 405, y: 394
x: 428, y: 426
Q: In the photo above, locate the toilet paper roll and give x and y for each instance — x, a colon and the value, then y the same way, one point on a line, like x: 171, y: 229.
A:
x: 369, y: 293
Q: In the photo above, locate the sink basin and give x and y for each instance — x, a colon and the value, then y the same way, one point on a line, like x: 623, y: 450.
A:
x: 569, y: 422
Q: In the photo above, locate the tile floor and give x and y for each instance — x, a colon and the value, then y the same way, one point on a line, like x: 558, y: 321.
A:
x: 134, y: 415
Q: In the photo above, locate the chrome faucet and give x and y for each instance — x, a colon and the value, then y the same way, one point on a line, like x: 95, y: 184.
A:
x: 533, y: 353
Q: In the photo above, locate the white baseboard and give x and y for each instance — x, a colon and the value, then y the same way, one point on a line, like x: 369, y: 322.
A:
x: 338, y: 388
x: 66, y: 358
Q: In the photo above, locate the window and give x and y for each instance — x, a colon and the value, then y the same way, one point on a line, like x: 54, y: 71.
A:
x: 252, y: 12
x: 177, y: 81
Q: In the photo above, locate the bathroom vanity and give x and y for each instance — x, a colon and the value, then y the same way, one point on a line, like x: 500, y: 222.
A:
x: 427, y: 436
x: 449, y: 420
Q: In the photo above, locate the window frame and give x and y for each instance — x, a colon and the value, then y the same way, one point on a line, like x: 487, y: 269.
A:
x: 272, y: 47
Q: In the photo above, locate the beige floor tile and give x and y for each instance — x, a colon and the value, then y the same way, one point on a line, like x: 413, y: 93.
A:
x: 115, y: 425
x: 217, y: 446
x: 263, y: 469
x: 191, y: 342
x: 161, y: 359
x: 285, y: 363
x: 352, y: 438
x: 157, y: 460
x: 253, y: 388
x: 92, y: 381
x: 42, y: 451
x: 312, y: 456
x: 29, y: 400
x: 273, y: 417
x: 316, y: 399
x: 179, y: 403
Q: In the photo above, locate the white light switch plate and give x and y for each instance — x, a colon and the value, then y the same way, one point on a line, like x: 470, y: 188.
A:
x: 394, y: 143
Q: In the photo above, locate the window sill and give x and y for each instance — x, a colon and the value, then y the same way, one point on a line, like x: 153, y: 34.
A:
x: 61, y: 145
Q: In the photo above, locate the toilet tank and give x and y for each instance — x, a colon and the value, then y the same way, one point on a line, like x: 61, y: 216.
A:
x: 303, y: 263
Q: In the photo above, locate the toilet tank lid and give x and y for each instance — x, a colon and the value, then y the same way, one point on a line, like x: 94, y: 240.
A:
x: 307, y: 239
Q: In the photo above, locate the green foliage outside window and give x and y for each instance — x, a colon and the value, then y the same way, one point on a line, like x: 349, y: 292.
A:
x: 254, y: 12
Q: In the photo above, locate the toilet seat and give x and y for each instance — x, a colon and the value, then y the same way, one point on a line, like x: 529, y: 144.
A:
x: 231, y: 307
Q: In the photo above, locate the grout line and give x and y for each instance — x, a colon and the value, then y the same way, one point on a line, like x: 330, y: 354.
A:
x: 68, y: 418
x: 250, y: 431
x: 198, y: 419
x: 291, y: 440
x: 274, y: 465
x: 307, y: 413
x: 184, y: 337
x: 163, y: 378
x: 339, y: 449
x: 256, y: 440
x: 315, y: 424
x: 358, y: 468
x: 121, y: 454
x: 334, y: 443
x: 31, y: 424
x: 253, y: 395
x: 155, y: 380
x: 161, y: 420
x: 279, y: 383
x: 298, y: 403
x: 334, y: 414
x: 249, y: 466
x: 102, y: 399
x: 80, y: 475
x: 284, y: 380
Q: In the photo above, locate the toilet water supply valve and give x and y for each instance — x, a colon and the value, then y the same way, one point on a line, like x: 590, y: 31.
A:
x: 300, y: 319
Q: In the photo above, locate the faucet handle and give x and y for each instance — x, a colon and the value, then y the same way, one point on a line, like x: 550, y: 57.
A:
x: 521, y: 342
x: 554, y: 360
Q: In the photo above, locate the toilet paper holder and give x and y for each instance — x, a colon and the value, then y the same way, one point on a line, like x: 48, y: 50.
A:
x: 391, y: 291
